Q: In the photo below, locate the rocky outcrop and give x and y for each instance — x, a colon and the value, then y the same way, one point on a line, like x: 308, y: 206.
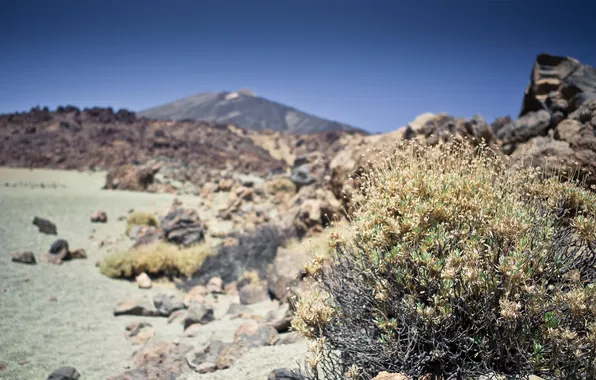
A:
x: 568, y: 148
x: 559, y: 85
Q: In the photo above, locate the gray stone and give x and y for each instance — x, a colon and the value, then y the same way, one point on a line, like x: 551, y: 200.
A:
x: 136, y: 306
x: 251, y: 334
x: 199, y: 313
x: 301, y: 176
x: 166, y: 303
x: 65, y: 373
x: 45, y: 226
x: 252, y: 293
x: 24, y: 258
x: 284, y: 374
x: 280, y: 319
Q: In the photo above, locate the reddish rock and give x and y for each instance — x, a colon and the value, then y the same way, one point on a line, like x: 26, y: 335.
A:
x: 195, y: 295
x: 99, y: 217
x: 140, y: 332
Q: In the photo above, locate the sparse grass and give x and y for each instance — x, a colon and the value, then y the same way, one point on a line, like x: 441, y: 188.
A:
x: 460, y: 264
x: 155, y: 259
x: 140, y: 218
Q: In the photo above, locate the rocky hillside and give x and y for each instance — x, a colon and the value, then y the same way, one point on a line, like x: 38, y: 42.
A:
x: 145, y: 154
x: 245, y: 109
x: 555, y: 129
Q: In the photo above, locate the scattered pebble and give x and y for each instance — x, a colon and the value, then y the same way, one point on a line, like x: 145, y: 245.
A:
x: 143, y: 281
x: 99, y: 217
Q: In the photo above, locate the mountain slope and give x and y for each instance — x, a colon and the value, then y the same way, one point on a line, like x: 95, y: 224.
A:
x: 245, y: 109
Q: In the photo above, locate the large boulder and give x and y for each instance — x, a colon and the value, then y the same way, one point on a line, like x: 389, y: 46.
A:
x: 558, y: 84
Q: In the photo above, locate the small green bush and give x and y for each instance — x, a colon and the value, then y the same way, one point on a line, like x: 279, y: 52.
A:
x: 155, y: 259
x: 139, y: 218
x: 460, y: 264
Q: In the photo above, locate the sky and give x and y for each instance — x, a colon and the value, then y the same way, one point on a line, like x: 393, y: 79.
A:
x: 374, y: 64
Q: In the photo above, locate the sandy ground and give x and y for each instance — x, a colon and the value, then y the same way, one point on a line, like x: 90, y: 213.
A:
x: 39, y: 334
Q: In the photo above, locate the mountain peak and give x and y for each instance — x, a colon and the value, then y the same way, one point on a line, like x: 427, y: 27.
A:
x: 244, y: 109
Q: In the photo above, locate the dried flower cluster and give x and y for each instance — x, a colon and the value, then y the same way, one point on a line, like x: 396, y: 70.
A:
x: 459, y: 264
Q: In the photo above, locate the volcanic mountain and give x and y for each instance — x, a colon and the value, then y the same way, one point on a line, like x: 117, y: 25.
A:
x: 244, y: 109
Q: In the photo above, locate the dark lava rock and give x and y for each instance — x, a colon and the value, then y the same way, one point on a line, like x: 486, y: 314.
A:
x: 24, y: 257
x: 59, y: 247
x: 45, y: 226
x: 558, y: 84
x: 301, y: 176
x: 65, y: 373
x: 183, y: 227
x: 523, y: 129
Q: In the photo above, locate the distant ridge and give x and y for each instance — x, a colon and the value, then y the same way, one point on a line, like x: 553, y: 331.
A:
x: 245, y: 109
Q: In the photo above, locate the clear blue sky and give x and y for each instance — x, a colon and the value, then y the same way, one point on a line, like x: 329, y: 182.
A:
x: 374, y: 64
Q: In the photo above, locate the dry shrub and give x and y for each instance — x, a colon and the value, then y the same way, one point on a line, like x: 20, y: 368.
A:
x: 460, y: 264
x: 155, y: 259
x: 254, y: 251
x: 140, y: 218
